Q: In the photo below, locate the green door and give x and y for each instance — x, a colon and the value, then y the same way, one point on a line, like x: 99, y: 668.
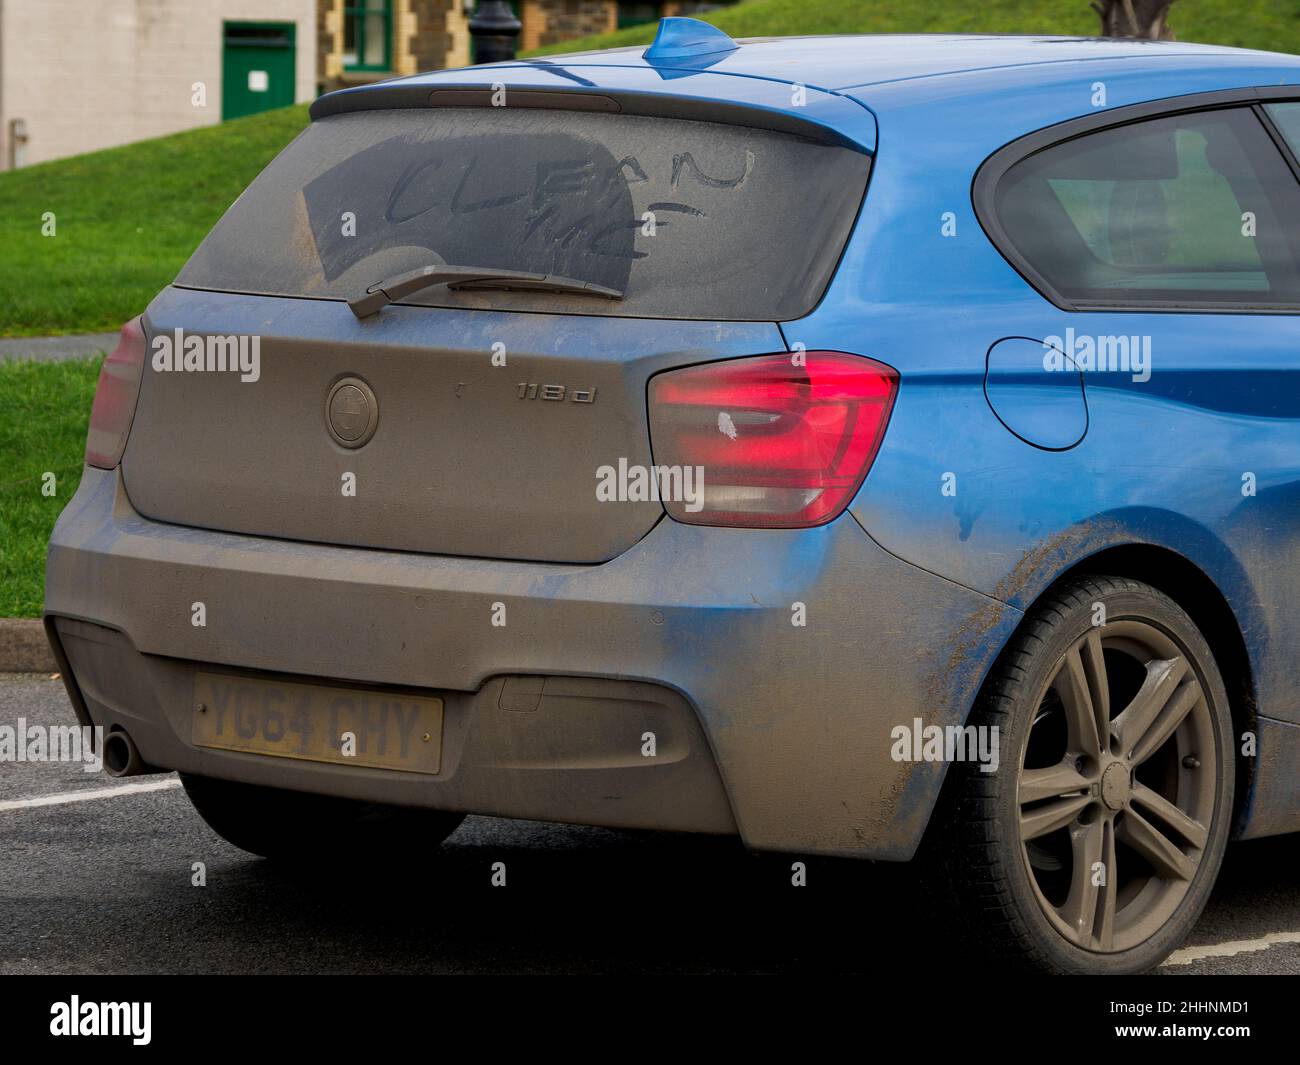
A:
x: 257, y: 67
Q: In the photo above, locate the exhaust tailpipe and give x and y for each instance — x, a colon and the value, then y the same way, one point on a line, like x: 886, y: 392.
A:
x: 121, y: 756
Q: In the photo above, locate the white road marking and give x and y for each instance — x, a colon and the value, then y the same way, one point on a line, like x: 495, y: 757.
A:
x: 87, y: 796
x: 1188, y: 955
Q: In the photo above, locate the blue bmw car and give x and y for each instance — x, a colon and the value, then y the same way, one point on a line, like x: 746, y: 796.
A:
x: 880, y: 447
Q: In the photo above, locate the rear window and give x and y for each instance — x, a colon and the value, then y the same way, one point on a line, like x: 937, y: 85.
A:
x: 689, y: 219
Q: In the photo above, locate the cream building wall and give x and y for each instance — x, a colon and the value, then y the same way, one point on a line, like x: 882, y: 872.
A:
x: 88, y: 74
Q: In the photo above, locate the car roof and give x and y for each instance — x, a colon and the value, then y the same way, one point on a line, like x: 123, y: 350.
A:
x: 843, y: 62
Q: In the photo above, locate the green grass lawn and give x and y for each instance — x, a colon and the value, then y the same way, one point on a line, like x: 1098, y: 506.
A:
x: 44, y: 411
x: 126, y: 219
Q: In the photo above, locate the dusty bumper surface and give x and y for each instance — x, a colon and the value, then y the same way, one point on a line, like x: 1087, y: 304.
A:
x: 797, y: 718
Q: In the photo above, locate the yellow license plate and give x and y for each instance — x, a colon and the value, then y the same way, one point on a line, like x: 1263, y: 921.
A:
x: 347, y: 726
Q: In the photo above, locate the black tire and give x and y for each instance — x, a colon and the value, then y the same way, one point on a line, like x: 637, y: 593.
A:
x: 1024, y: 899
x: 294, y: 826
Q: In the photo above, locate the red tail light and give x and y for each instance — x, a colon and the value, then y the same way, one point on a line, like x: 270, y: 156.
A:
x: 115, y: 398
x: 780, y: 445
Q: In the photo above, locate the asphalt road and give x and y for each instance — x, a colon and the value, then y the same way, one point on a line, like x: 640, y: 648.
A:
x: 103, y: 885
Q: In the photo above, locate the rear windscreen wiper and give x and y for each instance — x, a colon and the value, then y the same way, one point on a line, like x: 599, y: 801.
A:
x: 386, y: 292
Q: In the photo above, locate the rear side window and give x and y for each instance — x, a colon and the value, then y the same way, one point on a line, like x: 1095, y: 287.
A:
x: 689, y: 219
x: 1182, y: 210
x: 1286, y: 116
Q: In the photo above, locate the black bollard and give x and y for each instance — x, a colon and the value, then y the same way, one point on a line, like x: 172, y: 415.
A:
x: 495, y: 31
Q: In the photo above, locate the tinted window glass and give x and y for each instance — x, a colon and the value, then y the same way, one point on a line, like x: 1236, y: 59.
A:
x: 1190, y: 209
x: 689, y: 219
x: 1287, y: 118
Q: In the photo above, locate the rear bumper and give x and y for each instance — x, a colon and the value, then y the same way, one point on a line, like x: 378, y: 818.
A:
x: 775, y: 730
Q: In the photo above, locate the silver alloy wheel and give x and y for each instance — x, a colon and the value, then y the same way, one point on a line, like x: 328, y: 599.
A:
x: 1118, y: 786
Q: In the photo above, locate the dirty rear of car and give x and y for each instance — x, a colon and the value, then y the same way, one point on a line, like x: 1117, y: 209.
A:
x: 432, y: 517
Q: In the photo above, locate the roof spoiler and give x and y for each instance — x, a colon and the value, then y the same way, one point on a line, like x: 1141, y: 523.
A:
x: 402, y: 94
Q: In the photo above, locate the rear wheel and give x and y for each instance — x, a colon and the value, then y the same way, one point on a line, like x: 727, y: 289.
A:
x: 295, y: 826
x: 1095, y: 844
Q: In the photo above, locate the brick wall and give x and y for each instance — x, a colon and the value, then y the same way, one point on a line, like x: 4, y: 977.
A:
x: 430, y: 43
x: 551, y: 21
x: 329, y: 42
x: 427, y: 35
